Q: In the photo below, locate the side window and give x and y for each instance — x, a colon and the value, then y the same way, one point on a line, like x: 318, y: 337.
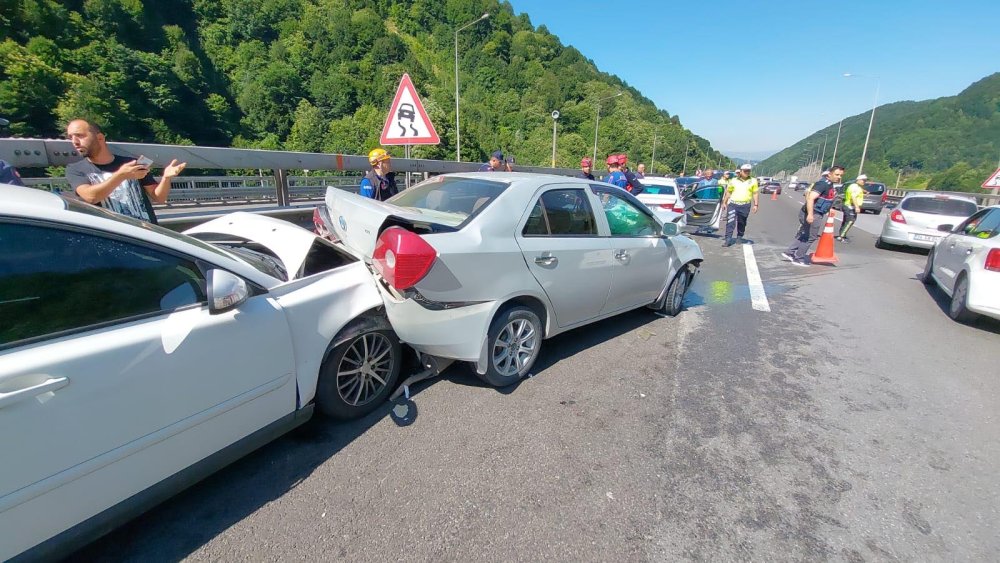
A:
x: 624, y: 218
x: 971, y: 224
x: 707, y: 193
x: 54, y: 280
x: 561, y: 213
x: 988, y: 226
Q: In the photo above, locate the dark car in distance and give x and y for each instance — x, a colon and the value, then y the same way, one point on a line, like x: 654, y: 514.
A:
x: 771, y: 188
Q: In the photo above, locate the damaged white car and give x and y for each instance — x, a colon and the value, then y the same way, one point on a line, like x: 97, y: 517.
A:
x: 134, y: 360
x: 482, y: 267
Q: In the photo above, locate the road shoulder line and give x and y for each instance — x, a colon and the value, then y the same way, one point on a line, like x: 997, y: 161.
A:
x: 758, y: 299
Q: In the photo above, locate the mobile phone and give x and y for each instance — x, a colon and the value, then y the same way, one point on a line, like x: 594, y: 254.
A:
x: 143, y: 161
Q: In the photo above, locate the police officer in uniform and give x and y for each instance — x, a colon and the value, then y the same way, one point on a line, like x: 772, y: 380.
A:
x: 854, y: 196
x: 738, y: 200
x: 812, y: 216
x: 379, y: 182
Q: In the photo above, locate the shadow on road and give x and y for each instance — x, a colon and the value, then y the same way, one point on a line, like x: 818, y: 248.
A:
x: 943, y: 302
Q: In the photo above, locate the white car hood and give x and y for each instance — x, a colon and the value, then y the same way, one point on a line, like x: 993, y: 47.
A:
x: 357, y: 220
x: 289, y: 242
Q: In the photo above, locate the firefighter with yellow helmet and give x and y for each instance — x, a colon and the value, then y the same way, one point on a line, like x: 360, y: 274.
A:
x: 379, y: 182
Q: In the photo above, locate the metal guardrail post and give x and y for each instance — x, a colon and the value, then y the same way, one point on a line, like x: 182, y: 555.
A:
x: 281, y: 187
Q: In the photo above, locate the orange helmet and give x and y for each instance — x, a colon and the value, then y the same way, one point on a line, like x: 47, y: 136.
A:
x: 613, y: 160
x: 622, y: 160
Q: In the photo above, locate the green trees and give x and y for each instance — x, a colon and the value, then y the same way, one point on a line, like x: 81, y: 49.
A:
x: 318, y: 75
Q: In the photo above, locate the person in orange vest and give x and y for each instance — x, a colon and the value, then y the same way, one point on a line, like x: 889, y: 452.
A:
x: 812, y: 216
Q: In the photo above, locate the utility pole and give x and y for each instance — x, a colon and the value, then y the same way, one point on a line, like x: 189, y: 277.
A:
x: 652, y: 161
x: 837, y: 143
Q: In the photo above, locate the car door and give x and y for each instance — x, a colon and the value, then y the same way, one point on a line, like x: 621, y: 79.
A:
x: 564, y: 251
x: 641, y: 256
x: 702, y: 207
x: 114, y: 376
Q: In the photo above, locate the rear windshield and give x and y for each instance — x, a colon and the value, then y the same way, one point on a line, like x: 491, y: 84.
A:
x: 939, y: 206
x: 874, y: 188
x: 658, y: 190
x: 450, y: 200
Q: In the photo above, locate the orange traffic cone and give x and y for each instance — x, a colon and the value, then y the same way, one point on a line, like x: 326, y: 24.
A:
x: 824, y: 250
x: 774, y: 195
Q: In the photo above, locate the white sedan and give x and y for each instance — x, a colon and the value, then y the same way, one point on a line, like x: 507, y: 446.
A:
x: 481, y: 267
x: 965, y: 263
x: 135, y: 360
x: 661, y: 197
x: 914, y: 222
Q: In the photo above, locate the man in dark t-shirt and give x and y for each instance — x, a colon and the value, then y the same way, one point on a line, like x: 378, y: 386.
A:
x: 812, y: 216
x: 121, y: 184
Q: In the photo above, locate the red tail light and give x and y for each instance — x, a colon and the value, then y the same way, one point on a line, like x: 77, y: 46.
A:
x: 885, y: 197
x: 320, y: 226
x: 993, y: 260
x: 897, y: 216
x: 402, y: 257
x: 678, y: 208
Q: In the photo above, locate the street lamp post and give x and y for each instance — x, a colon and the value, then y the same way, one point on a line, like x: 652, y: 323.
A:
x: 597, y: 122
x: 652, y: 160
x: 458, y: 130
x: 836, y: 143
x: 871, y: 121
x: 687, y: 147
x: 555, y: 118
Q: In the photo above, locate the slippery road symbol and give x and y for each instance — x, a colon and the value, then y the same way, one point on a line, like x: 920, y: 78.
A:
x: 406, y: 112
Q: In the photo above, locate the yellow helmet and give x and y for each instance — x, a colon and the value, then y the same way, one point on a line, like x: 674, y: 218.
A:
x: 377, y: 155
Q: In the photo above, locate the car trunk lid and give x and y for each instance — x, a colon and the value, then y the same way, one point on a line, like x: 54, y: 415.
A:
x: 357, y: 221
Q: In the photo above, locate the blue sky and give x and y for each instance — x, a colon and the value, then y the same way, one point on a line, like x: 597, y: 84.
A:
x: 759, y: 76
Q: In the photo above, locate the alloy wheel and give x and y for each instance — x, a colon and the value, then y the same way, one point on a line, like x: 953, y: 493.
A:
x: 514, y: 347
x: 365, y: 369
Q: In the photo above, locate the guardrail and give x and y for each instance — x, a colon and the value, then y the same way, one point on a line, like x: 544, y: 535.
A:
x: 41, y: 153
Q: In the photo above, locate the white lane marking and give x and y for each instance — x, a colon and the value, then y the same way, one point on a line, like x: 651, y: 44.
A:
x: 758, y: 298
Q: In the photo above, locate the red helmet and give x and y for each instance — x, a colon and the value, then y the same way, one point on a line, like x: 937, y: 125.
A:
x: 585, y: 161
x: 613, y: 160
x: 622, y: 160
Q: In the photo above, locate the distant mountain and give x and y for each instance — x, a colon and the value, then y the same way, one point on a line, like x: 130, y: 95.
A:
x: 949, y: 143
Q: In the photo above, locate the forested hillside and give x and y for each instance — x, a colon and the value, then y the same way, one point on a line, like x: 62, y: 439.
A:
x: 950, y: 143
x: 318, y: 75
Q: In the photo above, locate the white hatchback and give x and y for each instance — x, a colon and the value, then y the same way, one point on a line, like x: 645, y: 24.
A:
x: 661, y: 197
x: 965, y: 263
x: 914, y: 222
x: 135, y: 360
x: 481, y: 267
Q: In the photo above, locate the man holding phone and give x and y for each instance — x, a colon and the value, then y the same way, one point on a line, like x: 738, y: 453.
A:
x: 121, y: 184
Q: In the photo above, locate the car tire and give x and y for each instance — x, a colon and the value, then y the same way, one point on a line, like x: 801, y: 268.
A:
x: 878, y: 211
x: 879, y: 243
x: 359, y: 374
x: 673, y: 303
x: 958, y: 309
x: 927, y: 277
x: 520, y: 326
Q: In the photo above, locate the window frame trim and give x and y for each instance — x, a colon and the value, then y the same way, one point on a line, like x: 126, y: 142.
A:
x: 538, y: 199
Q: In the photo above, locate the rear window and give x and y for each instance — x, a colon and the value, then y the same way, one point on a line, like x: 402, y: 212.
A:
x: 939, y: 206
x: 658, y: 190
x: 450, y: 200
x: 874, y: 188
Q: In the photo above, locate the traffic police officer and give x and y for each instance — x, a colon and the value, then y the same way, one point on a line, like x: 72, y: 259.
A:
x: 854, y: 196
x: 736, y: 201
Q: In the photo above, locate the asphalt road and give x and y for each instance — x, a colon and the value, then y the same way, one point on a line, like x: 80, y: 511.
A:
x: 853, y: 421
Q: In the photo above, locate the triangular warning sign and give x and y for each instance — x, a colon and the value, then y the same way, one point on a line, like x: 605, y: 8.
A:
x: 407, y: 122
x: 993, y: 181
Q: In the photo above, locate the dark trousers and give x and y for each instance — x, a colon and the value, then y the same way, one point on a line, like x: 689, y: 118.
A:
x: 736, y: 218
x: 807, y: 234
x: 850, y: 216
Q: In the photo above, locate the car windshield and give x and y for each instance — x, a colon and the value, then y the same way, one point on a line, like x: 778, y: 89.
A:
x: 450, y: 200
x: 654, y: 189
x: 939, y: 206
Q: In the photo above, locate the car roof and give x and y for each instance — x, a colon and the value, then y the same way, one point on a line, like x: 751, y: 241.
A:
x: 938, y: 194
x: 20, y: 196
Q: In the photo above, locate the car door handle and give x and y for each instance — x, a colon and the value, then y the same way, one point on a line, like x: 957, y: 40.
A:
x: 621, y: 255
x: 51, y: 384
x: 546, y: 260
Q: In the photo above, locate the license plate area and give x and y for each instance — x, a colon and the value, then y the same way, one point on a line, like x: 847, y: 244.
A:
x: 925, y: 238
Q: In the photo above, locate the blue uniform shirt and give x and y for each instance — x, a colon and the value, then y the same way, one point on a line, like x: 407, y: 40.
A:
x: 617, y: 178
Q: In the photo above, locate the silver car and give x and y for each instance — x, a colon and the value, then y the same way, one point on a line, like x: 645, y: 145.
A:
x: 914, y: 222
x: 482, y: 267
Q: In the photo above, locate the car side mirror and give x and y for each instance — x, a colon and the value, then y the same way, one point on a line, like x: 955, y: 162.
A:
x: 225, y: 291
x: 946, y: 228
x: 670, y: 230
